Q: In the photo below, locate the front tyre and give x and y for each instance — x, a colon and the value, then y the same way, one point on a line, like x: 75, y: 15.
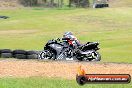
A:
x: 47, y: 54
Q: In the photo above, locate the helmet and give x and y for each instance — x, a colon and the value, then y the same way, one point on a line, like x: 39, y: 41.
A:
x: 67, y: 33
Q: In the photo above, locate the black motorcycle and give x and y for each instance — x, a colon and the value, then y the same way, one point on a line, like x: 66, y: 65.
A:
x: 62, y: 50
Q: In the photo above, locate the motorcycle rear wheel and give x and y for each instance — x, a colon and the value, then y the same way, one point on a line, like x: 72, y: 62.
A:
x: 96, y: 57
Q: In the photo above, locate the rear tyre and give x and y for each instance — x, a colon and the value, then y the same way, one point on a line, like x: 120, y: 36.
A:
x: 96, y: 56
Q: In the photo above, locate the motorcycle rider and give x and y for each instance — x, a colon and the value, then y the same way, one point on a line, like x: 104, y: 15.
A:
x: 72, y: 40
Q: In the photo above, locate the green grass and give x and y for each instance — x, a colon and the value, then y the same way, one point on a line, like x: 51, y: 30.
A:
x: 32, y: 28
x: 37, y: 82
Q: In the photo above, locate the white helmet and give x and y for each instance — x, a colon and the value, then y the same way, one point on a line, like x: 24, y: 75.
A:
x: 67, y: 34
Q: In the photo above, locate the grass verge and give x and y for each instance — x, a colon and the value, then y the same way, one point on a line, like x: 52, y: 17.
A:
x: 39, y: 82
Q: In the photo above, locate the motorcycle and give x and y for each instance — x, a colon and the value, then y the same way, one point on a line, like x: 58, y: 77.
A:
x: 63, y: 50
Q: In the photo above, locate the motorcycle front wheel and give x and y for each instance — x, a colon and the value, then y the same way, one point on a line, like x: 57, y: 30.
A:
x: 47, y: 54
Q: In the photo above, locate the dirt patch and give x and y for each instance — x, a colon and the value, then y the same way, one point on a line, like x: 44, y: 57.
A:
x: 8, y: 3
x: 12, y: 32
x: 31, y: 68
